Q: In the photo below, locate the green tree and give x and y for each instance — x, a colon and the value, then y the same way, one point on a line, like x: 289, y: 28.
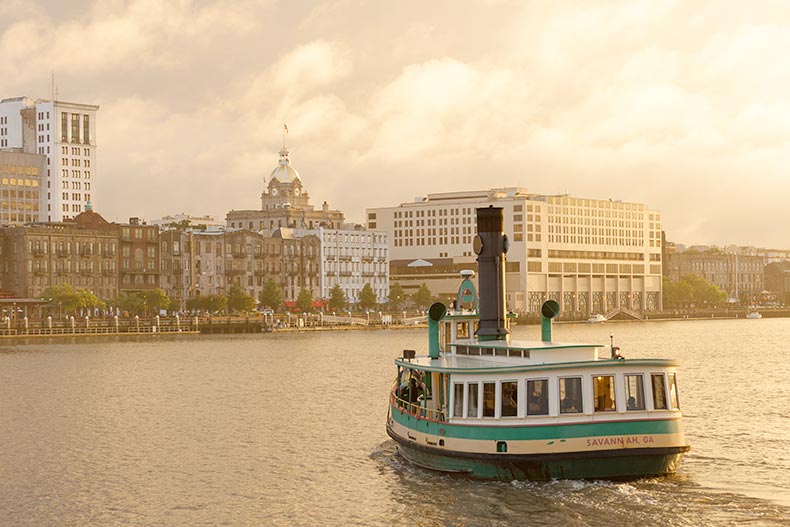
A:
x: 305, y: 301
x: 62, y: 295
x: 239, y: 301
x: 691, y: 290
x: 422, y: 298
x: 70, y: 299
x: 367, y: 297
x: 396, y: 296
x: 156, y: 300
x: 271, y: 295
x: 337, y: 298
x: 215, y: 303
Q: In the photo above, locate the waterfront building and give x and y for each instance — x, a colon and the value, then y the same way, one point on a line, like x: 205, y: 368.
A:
x: 590, y: 255
x: 196, y: 263
x: 285, y: 203
x: 37, y: 256
x: 351, y: 259
x: 741, y: 276
x: 336, y: 253
x: 138, y: 250
x: 22, y: 182
x: 65, y: 133
x: 777, y: 280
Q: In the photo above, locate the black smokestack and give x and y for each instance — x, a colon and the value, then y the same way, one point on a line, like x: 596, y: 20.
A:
x: 491, y: 245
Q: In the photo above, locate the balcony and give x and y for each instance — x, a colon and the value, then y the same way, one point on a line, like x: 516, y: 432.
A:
x: 239, y: 254
x: 234, y: 272
x: 62, y: 253
x: 38, y: 251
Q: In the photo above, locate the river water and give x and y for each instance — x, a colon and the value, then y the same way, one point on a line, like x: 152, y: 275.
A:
x: 288, y: 429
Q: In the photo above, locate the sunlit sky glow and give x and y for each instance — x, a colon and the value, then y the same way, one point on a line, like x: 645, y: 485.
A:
x: 680, y: 105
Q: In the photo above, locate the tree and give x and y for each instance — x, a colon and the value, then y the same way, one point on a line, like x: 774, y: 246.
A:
x: 271, y: 296
x: 337, y: 298
x: 156, y: 300
x: 239, y: 301
x: 70, y: 299
x: 215, y: 303
x: 691, y: 289
x: 397, y: 295
x: 422, y: 298
x: 305, y: 301
x: 367, y: 297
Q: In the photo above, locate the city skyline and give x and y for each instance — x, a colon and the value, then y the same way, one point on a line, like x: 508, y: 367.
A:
x: 667, y: 104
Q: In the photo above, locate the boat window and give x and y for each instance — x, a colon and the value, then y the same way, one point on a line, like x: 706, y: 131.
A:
x: 673, y: 392
x: 461, y: 350
x: 489, y: 395
x: 571, y: 395
x: 487, y: 351
x: 501, y: 352
x: 458, y: 400
x: 634, y: 392
x: 509, y: 404
x: 472, y: 400
x: 603, y: 393
x: 538, y: 391
x: 463, y: 330
x: 659, y: 392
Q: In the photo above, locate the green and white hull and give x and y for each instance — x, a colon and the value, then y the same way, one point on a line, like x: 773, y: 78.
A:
x: 611, y: 450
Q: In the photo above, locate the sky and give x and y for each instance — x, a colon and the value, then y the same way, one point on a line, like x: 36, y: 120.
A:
x: 683, y: 106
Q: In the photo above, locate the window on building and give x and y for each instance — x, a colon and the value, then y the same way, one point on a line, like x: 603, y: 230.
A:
x: 538, y: 397
x: 489, y: 399
x: 570, y: 395
x: 472, y: 398
x: 509, y: 401
x: 673, y: 392
x: 659, y: 391
x: 603, y: 393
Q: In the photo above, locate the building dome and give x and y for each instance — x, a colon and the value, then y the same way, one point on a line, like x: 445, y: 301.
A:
x: 285, y: 173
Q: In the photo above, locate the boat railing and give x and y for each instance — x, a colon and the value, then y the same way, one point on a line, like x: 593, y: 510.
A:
x: 417, y: 410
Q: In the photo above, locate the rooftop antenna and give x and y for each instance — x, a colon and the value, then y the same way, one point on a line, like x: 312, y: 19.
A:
x: 285, y: 134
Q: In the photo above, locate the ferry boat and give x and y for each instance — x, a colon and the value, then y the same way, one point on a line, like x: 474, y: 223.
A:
x: 753, y: 315
x: 485, y: 406
x: 596, y: 319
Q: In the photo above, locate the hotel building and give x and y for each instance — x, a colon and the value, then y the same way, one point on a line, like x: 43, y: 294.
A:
x: 590, y: 255
x: 65, y: 133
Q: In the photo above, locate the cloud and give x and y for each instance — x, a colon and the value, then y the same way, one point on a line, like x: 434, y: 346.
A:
x: 674, y: 104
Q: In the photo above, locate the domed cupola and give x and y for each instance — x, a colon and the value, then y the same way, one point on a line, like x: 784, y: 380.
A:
x: 285, y: 173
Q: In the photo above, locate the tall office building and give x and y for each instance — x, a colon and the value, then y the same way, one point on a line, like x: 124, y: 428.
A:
x: 590, y: 255
x: 65, y: 133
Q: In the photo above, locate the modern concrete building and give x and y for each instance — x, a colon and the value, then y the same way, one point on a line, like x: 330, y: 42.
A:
x: 591, y: 255
x: 22, y: 182
x: 65, y: 133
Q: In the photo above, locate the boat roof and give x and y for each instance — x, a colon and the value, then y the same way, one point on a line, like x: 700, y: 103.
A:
x: 452, y: 363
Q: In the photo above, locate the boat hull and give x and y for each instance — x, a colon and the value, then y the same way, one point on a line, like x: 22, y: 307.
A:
x: 625, y: 464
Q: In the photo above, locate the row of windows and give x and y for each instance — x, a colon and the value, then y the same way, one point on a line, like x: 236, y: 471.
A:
x: 482, y: 399
x: 27, y: 170
x: 75, y: 151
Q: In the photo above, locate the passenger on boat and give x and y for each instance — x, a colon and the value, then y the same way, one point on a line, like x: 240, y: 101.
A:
x: 568, y: 405
x: 632, y: 403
